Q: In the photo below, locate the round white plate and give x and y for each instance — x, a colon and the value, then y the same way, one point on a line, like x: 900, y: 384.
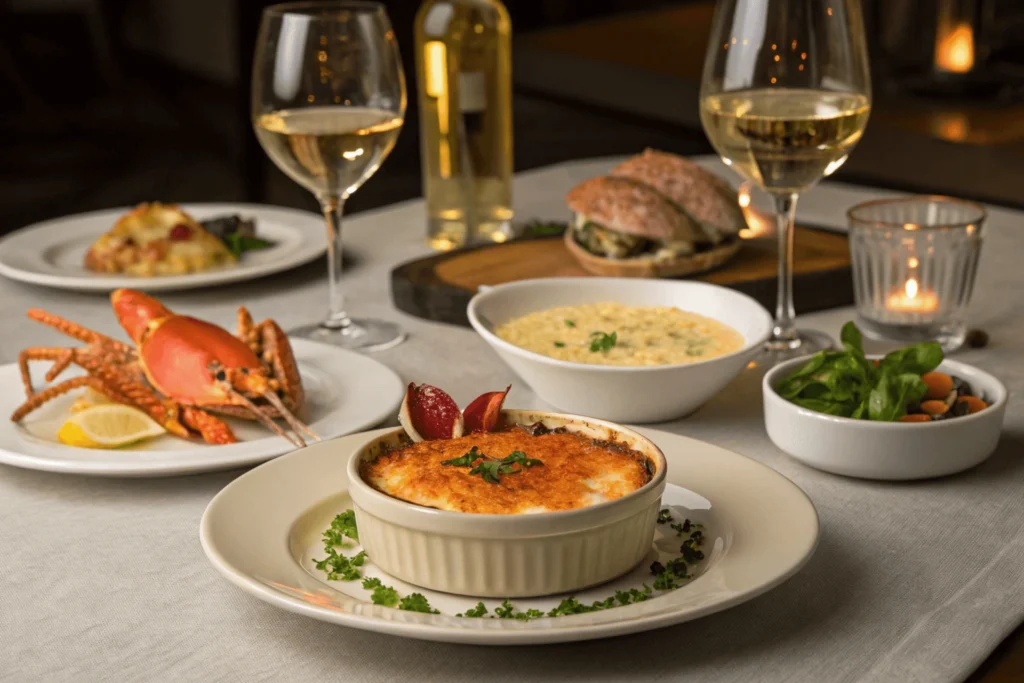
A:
x: 51, y: 253
x: 263, y: 531
x: 345, y: 392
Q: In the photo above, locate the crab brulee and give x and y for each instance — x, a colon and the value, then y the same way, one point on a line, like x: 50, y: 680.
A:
x: 517, y: 470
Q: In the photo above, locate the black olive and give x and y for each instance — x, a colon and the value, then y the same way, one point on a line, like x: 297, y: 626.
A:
x: 221, y: 376
x: 960, y: 408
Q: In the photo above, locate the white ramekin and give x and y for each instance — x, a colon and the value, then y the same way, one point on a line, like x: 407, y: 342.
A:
x: 886, y: 450
x: 628, y: 394
x: 510, y: 556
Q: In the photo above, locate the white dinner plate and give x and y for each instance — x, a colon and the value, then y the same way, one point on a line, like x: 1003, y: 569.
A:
x: 51, y: 253
x: 345, y: 392
x: 263, y: 533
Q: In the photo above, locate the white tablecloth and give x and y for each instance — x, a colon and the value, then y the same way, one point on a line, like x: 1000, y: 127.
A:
x: 104, y: 579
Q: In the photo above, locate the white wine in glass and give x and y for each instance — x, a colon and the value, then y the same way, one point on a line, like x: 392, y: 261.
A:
x: 328, y: 104
x: 785, y: 96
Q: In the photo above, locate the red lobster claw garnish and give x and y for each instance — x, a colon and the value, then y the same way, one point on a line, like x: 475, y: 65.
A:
x: 429, y: 414
x: 483, y: 413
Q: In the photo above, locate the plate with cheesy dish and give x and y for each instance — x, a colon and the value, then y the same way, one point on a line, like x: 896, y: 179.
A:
x: 161, y: 247
x: 496, y: 526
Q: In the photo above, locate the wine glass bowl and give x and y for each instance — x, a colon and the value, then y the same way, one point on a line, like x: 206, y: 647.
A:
x: 328, y: 103
x: 785, y: 96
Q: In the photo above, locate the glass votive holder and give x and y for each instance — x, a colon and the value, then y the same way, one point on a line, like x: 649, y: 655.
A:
x: 914, y: 262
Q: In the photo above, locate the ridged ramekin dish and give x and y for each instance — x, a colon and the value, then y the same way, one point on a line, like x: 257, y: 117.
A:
x: 516, y: 555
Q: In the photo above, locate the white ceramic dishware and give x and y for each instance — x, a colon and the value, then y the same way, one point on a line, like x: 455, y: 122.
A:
x: 264, y: 533
x: 622, y: 394
x: 488, y: 554
x: 52, y: 253
x: 345, y: 392
x: 886, y: 450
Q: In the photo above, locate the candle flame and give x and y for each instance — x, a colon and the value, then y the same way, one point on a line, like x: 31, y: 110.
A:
x: 954, y: 49
x: 911, y: 288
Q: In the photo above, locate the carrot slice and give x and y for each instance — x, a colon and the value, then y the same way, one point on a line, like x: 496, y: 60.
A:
x: 939, y: 384
x: 934, y: 407
x: 974, y: 404
x: 916, y: 417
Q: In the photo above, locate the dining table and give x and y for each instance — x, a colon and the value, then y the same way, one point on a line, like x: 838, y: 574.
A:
x: 104, y: 578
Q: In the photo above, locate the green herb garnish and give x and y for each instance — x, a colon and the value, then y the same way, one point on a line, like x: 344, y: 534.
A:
x: 237, y: 243
x: 382, y: 595
x: 491, y: 469
x: 416, y: 602
x: 475, y: 612
x: 570, y: 323
x: 342, y: 526
x: 559, y: 345
x: 664, y: 516
x: 466, y: 460
x: 847, y: 384
x: 603, y: 342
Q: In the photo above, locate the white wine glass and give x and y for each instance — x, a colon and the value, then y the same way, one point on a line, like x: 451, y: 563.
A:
x: 328, y: 102
x: 785, y: 96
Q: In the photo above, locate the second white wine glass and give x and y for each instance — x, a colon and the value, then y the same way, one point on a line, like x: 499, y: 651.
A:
x: 785, y: 96
x: 328, y: 102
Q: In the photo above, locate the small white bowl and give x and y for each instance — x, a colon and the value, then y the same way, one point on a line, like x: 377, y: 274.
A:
x: 623, y: 394
x: 507, y: 556
x: 886, y: 450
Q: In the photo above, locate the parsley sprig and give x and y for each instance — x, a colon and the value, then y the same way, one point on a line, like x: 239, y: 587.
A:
x: 664, y: 516
x: 601, y: 341
x: 491, y: 469
x: 382, y: 595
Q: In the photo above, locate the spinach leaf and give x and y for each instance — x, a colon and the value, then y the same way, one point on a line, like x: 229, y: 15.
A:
x: 852, y: 339
x: 820, y: 405
x: 916, y: 358
x: 894, y: 392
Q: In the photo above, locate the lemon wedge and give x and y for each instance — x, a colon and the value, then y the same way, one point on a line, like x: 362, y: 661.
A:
x: 108, y: 426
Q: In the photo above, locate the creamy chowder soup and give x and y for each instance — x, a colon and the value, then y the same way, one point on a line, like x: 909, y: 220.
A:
x: 616, y: 334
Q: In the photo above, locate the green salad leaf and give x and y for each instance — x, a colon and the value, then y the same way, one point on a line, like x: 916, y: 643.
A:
x: 847, y: 384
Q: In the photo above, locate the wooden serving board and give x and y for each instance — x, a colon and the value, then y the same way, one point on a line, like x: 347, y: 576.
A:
x: 439, y: 287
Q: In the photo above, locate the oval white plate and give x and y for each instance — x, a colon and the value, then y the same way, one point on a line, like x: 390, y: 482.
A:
x: 263, y: 530
x: 51, y: 253
x: 345, y: 392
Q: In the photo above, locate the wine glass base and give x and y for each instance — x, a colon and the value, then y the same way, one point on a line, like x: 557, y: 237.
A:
x: 360, y: 334
x: 806, y: 342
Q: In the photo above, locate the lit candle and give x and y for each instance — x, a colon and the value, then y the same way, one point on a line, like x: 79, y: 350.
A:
x: 911, y: 299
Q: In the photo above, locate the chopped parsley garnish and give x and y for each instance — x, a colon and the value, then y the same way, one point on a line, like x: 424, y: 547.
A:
x: 664, y: 516
x: 559, y: 345
x: 491, y: 469
x: 416, y: 602
x: 343, y: 526
x: 603, y: 342
x: 475, y: 612
x: 340, y: 567
x: 570, y: 323
x: 382, y: 595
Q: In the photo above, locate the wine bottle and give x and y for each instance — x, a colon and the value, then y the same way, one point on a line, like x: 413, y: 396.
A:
x: 464, y: 81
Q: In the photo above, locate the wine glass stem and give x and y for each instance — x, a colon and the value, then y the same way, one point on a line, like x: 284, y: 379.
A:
x: 785, y: 215
x: 337, y: 318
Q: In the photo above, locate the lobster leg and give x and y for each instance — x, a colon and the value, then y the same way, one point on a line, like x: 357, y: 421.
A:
x: 75, y: 330
x: 37, y: 353
x: 211, y: 428
x: 248, y: 332
x: 123, y: 380
x: 50, y: 393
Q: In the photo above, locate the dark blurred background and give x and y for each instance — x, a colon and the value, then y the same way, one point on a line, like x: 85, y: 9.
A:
x: 111, y: 102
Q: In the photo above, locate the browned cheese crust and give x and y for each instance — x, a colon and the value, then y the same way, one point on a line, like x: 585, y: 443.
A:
x: 576, y: 472
x: 626, y: 206
x: 704, y: 195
